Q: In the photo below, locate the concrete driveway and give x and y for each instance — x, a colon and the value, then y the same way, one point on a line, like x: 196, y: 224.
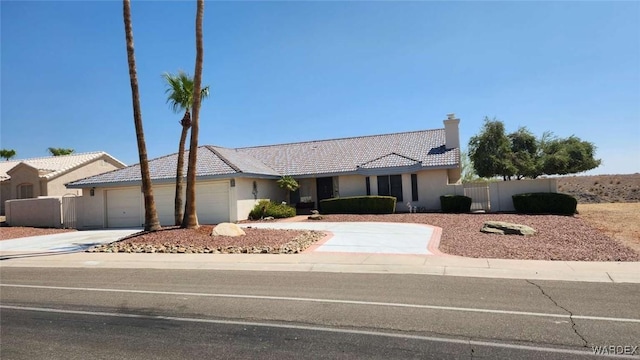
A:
x: 60, y: 243
x: 368, y: 237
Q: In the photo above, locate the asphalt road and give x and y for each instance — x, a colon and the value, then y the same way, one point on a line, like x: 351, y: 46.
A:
x: 144, y: 314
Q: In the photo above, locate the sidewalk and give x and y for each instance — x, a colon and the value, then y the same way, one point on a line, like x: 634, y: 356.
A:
x: 612, y: 272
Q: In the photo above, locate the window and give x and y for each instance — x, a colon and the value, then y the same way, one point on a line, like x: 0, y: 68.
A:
x: 414, y: 187
x: 368, y: 185
x: 390, y: 185
x: 25, y: 191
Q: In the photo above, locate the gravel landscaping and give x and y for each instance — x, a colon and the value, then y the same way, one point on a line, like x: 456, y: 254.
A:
x: 7, y: 233
x: 557, y: 237
x: 176, y: 240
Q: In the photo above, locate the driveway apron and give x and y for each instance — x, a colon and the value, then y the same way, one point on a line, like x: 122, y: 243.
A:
x: 61, y: 243
x: 364, y: 237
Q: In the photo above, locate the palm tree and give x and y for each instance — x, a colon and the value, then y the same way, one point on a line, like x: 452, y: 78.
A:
x: 180, y: 90
x: 190, y: 220
x: 60, y: 151
x: 151, y: 222
x: 7, y: 153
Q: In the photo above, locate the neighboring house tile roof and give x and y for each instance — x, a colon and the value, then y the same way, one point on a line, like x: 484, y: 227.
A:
x: 53, y: 166
x: 417, y: 149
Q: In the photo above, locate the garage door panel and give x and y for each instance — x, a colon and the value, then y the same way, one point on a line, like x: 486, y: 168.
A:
x: 124, y: 208
x: 165, y: 197
x: 212, y: 202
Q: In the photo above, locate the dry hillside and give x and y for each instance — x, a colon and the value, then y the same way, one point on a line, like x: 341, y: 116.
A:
x: 602, y: 188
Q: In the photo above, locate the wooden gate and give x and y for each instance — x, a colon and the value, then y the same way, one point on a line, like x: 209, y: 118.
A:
x: 69, y: 220
x: 479, y: 194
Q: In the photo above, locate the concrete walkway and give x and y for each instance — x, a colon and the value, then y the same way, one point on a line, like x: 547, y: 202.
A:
x: 367, y: 237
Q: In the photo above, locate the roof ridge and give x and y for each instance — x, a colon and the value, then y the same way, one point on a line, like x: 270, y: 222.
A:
x: 344, y: 138
x: 60, y: 156
x: 224, y: 159
x: 389, y: 154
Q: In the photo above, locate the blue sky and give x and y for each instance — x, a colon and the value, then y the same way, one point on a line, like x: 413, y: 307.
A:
x: 294, y: 71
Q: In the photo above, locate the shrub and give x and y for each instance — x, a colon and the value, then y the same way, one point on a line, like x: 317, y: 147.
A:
x: 271, y: 209
x: 545, y: 203
x: 455, y: 203
x: 359, y: 205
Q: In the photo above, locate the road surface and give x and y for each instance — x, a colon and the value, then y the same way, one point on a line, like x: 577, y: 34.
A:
x: 148, y: 314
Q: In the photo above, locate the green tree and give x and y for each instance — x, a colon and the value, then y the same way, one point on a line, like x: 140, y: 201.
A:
x: 151, y: 222
x: 60, y: 151
x: 468, y: 174
x: 288, y: 184
x: 490, y: 151
x: 524, y: 154
x: 521, y: 155
x: 7, y: 153
x: 568, y: 156
x: 190, y: 219
x: 179, y: 88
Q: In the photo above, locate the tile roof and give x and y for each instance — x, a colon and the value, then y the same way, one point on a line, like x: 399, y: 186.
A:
x: 346, y: 155
x: 52, y: 166
x: 424, y: 149
x: 212, y: 161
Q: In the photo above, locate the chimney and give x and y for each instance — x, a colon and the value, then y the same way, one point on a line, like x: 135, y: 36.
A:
x: 452, y: 135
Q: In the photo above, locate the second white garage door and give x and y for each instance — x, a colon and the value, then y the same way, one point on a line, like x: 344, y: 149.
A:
x: 212, y: 201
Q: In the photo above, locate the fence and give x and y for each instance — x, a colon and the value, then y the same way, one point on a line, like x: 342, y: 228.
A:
x: 69, y: 219
x: 496, y: 195
x: 479, y: 194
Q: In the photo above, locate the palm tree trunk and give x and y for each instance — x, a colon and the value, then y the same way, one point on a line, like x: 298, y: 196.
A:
x: 190, y: 220
x: 151, y: 222
x: 178, y: 209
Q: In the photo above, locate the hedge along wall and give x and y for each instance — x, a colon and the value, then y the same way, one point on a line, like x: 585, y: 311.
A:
x: 501, y: 192
x: 359, y: 205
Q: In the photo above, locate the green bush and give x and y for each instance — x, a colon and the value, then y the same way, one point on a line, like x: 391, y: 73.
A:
x: 545, y: 203
x: 359, y: 205
x: 271, y: 209
x: 455, y: 203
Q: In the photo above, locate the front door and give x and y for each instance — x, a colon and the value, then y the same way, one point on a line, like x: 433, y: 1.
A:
x: 325, y: 189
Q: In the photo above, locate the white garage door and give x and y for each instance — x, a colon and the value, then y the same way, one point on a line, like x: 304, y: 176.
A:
x: 212, y: 201
x: 124, y: 208
x: 165, y: 196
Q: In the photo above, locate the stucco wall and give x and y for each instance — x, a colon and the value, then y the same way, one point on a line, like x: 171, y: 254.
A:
x: 431, y: 185
x: 500, y: 192
x: 25, y: 175
x: 56, y: 186
x: 5, y: 194
x: 92, y: 214
x: 43, y: 212
x: 352, y: 185
x: 245, y: 199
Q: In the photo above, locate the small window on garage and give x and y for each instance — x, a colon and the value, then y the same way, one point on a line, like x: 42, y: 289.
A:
x: 25, y: 191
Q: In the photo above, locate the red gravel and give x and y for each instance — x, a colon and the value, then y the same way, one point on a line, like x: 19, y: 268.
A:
x: 201, y: 238
x: 557, y: 237
x: 10, y: 232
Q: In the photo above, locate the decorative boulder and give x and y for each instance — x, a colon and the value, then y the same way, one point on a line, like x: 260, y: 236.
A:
x: 315, y: 217
x: 505, y: 228
x: 227, y: 229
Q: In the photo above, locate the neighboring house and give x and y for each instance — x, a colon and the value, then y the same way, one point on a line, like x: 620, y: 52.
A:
x: 414, y: 167
x: 47, y: 176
